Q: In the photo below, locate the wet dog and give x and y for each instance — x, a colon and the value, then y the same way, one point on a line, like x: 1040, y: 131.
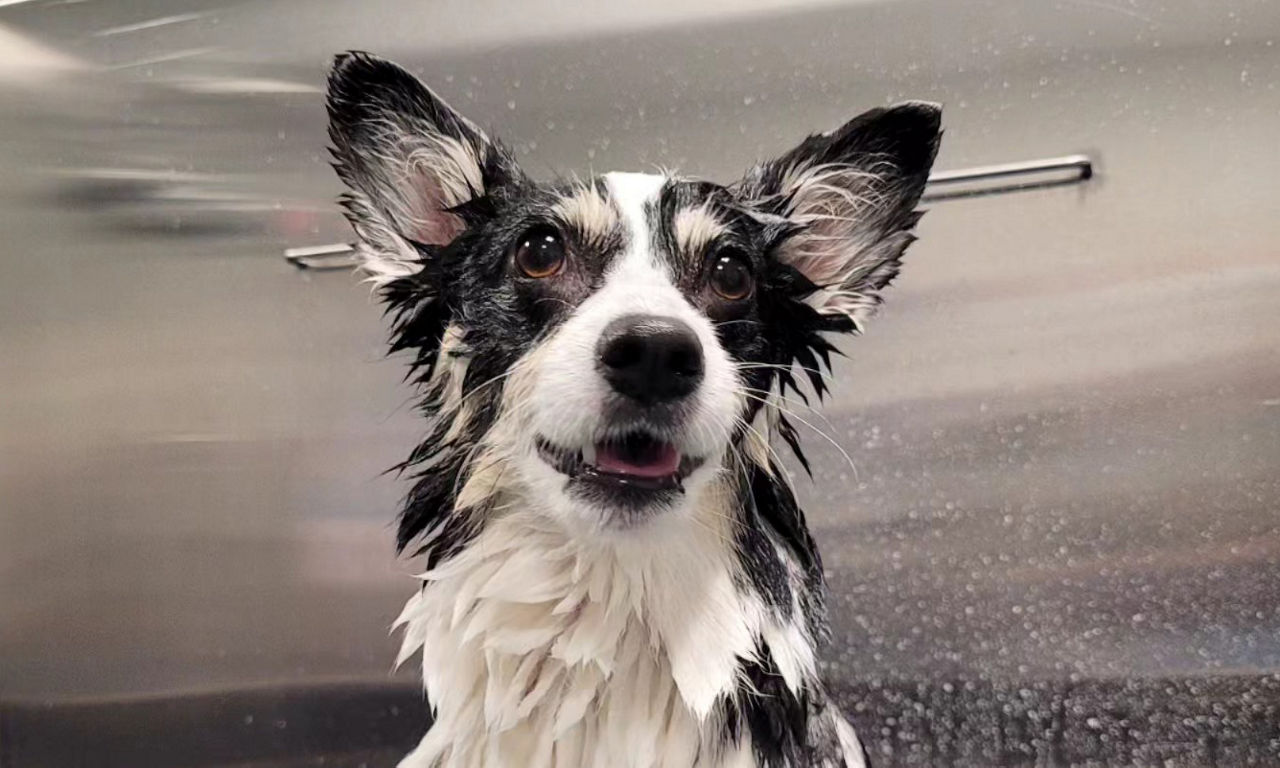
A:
x: 617, y: 572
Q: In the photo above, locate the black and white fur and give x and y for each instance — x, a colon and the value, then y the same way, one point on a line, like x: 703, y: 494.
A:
x: 568, y: 620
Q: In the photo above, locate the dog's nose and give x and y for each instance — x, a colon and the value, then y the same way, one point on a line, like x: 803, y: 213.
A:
x: 649, y: 358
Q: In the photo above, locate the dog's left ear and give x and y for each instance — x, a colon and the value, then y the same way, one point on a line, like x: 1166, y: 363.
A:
x: 413, y: 164
x: 849, y: 198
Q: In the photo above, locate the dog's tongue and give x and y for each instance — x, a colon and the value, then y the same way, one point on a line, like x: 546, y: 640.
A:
x: 648, y: 459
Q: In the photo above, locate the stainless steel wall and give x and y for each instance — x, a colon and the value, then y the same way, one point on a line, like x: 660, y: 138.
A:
x: 1063, y: 432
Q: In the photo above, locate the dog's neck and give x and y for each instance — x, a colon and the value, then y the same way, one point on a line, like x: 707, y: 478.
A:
x: 616, y: 645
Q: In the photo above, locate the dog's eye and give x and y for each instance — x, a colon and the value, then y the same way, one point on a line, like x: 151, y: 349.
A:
x: 731, y: 276
x: 539, y: 252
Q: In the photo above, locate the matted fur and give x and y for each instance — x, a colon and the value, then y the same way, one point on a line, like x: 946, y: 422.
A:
x: 564, y: 628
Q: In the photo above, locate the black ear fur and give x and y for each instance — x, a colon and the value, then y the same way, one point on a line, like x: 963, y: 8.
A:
x: 902, y: 139
x: 364, y: 88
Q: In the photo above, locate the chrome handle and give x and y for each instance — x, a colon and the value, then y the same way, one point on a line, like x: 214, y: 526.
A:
x: 322, y: 258
x: 1009, y: 177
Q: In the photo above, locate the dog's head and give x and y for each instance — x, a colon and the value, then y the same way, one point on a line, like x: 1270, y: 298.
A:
x: 612, y: 347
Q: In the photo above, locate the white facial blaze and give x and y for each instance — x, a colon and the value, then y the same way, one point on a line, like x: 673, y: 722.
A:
x: 631, y: 192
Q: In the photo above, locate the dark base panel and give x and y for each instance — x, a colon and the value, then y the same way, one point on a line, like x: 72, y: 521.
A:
x: 1212, y: 721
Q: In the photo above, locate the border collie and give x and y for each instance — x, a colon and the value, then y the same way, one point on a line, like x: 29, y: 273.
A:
x: 617, y: 572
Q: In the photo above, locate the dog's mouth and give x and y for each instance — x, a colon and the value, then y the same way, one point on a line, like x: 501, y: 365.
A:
x: 636, y: 459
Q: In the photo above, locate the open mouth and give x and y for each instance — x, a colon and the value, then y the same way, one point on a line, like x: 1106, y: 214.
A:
x: 637, y: 459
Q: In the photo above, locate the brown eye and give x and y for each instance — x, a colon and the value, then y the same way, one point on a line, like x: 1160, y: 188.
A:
x: 731, y: 277
x: 539, y: 252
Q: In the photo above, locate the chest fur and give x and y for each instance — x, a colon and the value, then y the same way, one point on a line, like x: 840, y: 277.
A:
x: 538, y: 650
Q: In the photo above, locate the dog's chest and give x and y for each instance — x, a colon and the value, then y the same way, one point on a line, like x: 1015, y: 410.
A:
x: 536, y: 653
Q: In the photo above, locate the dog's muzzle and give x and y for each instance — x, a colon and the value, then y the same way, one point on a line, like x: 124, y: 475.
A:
x: 637, y: 454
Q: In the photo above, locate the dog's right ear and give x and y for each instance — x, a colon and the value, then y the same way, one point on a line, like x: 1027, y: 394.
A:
x: 412, y: 163
x: 850, y: 196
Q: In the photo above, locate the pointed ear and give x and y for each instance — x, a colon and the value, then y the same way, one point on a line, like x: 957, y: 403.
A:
x: 849, y: 198
x: 411, y: 162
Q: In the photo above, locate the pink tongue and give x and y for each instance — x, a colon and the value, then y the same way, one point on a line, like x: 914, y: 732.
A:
x: 661, y: 461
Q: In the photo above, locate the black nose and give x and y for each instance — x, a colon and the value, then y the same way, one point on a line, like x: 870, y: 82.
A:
x: 650, y: 359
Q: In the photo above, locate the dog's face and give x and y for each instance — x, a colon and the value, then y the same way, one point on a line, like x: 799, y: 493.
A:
x: 615, y: 344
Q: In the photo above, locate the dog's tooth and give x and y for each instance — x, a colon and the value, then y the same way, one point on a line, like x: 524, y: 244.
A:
x: 589, y: 454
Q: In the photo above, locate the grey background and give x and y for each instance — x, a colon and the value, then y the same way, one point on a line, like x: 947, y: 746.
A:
x: 1063, y: 432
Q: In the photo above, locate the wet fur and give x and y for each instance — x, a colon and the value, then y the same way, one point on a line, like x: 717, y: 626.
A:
x: 550, y: 636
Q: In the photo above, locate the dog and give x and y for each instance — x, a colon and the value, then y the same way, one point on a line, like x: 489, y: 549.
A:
x: 617, y: 571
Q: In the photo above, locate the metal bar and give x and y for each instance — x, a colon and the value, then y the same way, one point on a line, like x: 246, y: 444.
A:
x: 322, y: 258
x: 1080, y: 164
x: 1009, y: 177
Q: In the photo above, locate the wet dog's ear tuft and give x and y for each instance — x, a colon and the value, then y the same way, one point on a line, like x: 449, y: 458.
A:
x: 411, y: 162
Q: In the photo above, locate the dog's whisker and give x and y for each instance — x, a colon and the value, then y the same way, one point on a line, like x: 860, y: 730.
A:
x: 768, y: 446
x: 480, y: 388
x: 845, y: 454
x: 791, y: 403
x: 542, y: 299
x: 826, y: 375
x: 743, y: 321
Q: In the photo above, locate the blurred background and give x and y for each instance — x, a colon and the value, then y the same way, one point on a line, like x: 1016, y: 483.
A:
x: 1057, y: 535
